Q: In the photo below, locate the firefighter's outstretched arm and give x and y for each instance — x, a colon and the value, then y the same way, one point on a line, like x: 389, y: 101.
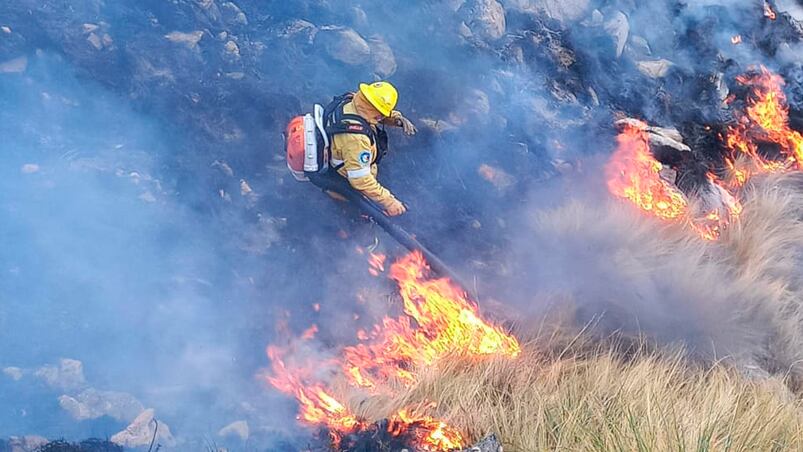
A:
x: 397, y: 119
x: 360, y: 174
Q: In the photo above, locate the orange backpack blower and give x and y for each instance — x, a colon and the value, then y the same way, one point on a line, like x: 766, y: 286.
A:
x: 307, y: 145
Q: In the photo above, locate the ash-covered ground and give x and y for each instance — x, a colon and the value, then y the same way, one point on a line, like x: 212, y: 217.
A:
x: 154, y: 241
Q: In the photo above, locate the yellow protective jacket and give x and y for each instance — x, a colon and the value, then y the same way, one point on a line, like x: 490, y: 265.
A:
x: 358, y: 157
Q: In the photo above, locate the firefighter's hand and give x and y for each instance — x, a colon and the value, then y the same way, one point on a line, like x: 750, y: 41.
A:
x: 395, y: 208
x: 407, y: 125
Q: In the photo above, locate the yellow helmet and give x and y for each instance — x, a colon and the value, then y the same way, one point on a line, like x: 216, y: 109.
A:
x: 382, y: 95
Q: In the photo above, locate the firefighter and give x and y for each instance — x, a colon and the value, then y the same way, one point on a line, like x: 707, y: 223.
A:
x: 359, y: 142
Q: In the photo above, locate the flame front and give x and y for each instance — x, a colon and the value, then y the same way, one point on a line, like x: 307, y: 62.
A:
x: 633, y: 173
x: 766, y: 119
x: 439, y: 321
x: 445, y: 322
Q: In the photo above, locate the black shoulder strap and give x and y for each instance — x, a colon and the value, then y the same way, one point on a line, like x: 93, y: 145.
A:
x: 337, y: 122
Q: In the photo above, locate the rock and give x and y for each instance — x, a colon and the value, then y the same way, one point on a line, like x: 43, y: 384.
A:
x: 95, y: 41
x: 14, y: 66
x: 597, y: 19
x: 497, y: 177
x: 563, y: 167
x: 29, y: 168
x: 190, y: 39
x: 89, y: 28
x: 476, y: 104
x: 668, y: 175
x: 14, y: 373
x: 488, y: 444
x: 5, y: 30
x: 619, y: 29
x: 437, y: 126
x: 455, y: 5
x: 224, y: 167
x: 232, y: 14
x: 28, y: 443
x: 296, y: 29
x: 658, y: 136
x: 560, y: 10
x: 654, y: 69
x: 464, y: 31
x: 93, y: 404
x: 358, y: 16
x: 485, y: 18
x: 232, y: 49
x: 640, y: 47
x: 142, y: 430
x: 383, y: 62
x: 245, y: 189
x: 147, y: 197
x: 345, y: 45
x: 259, y: 238
x: 663, y: 141
x: 239, y: 429
x: 722, y: 87
x: 68, y: 375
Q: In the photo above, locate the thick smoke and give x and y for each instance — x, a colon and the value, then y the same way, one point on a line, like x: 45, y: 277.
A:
x: 104, y: 263
x: 152, y: 232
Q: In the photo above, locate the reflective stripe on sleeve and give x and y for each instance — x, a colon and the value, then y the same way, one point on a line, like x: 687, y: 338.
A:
x: 356, y: 174
x: 336, y: 162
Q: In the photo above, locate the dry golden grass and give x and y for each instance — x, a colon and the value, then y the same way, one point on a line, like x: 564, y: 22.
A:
x: 735, y: 305
x: 604, y: 402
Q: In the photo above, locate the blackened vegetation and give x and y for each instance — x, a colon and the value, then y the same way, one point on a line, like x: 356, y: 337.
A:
x: 377, y: 438
x: 90, y: 445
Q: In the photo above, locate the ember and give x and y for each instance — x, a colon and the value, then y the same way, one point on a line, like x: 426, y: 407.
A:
x: 769, y: 13
x: 439, y: 321
x: 737, y: 39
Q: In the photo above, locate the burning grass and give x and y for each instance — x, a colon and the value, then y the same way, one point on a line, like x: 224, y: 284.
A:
x: 736, y: 311
x: 733, y: 305
x: 438, y: 321
x: 602, y: 400
x: 618, y: 391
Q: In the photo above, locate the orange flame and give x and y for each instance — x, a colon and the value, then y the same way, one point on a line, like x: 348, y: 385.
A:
x: 766, y: 118
x: 769, y: 13
x: 310, y: 333
x: 446, y: 321
x: 376, y: 263
x: 431, y: 434
x: 316, y: 404
x: 439, y: 320
x: 736, y: 39
x: 633, y: 173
